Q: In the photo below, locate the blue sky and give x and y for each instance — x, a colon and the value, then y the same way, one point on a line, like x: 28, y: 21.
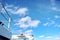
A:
x: 38, y: 17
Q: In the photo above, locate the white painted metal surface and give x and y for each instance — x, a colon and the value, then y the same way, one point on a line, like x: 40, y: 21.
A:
x: 5, y: 32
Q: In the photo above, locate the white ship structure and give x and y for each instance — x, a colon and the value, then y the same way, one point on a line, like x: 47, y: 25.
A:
x: 23, y: 37
x: 5, y: 33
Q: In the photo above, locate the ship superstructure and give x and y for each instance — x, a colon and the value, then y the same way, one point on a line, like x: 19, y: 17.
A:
x: 23, y: 37
x: 5, y: 33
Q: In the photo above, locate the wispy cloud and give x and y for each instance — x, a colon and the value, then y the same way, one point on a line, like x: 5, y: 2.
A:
x: 57, y: 16
x: 27, y: 22
x: 57, y: 25
x: 16, y: 10
x: 22, y: 11
x: 29, y: 32
x: 53, y: 5
x: 49, y: 23
x: 55, y: 8
x: 42, y: 36
x: 52, y: 23
x: 45, y: 24
x: 57, y: 38
x: 49, y: 37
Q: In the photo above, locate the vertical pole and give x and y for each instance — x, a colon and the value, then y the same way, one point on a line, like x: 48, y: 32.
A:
x: 9, y: 23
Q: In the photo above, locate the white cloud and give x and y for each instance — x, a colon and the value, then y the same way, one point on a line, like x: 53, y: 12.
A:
x: 27, y: 22
x: 45, y: 24
x: 9, y: 6
x: 29, y: 32
x: 57, y: 38
x: 52, y: 23
x: 16, y: 10
x: 34, y: 23
x: 49, y: 23
x: 42, y: 36
x: 53, y: 6
x: 22, y: 11
x: 49, y: 37
x: 58, y: 25
x: 56, y: 16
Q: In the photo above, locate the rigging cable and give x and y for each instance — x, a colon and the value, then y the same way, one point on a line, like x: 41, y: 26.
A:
x: 6, y: 11
x: 3, y: 16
